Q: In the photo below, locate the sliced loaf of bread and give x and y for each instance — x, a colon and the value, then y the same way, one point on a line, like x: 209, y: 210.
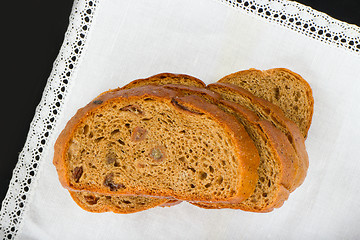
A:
x: 282, y: 87
x: 268, y: 111
x: 152, y: 141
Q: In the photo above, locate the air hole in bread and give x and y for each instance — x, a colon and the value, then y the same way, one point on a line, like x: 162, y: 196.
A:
x: 202, y: 175
x: 121, y: 142
x: 86, y: 129
x: 116, y: 131
x: 220, y: 180
x: 98, y: 139
x: 277, y: 93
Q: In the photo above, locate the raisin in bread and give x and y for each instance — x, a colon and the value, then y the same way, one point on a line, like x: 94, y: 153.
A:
x: 268, y: 111
x: 152, y: 141
x: 282, y: 87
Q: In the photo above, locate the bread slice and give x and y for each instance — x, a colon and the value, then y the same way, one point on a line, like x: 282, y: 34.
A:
x: 276, y: 170
x: 152, y: 141
x: 166, y: 78
x: 93, y: 202
x: 282, y: 87
x: 268, y: 111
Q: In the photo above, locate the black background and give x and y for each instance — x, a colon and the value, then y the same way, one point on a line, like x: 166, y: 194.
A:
x: 33, y: 34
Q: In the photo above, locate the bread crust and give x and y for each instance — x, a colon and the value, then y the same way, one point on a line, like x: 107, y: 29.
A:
x: 107, y: 207
x: 166, y: 78
x: 246, y: 151
x: 274, y: 114
x: 272, y: 72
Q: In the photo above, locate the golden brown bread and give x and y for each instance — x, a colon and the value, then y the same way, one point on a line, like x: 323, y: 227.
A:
x: 145, y: 108
x: 282, y: 87
x: 284, y: 147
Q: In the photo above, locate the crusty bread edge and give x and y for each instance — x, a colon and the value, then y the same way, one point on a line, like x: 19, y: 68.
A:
x: 160, y: 79
x: 111, y: 208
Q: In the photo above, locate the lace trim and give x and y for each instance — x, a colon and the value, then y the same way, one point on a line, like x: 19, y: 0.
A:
x: 41, y: 127
x: 305, y: 20
x: 292, y: 15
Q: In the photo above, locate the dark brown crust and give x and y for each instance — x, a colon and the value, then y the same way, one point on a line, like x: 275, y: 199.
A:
x: 166, y: 78
x: 207, y: 95
x: 247, y: 153
x: 290, y: 129
x: 272, y: 71
x: 112, y: 208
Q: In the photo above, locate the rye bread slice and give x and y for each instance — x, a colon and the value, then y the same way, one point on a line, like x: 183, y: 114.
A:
x: 152, y: 141
x: 93, y: 202
x: 276, y: 170
x: 268, y: 111
x: 282, y: 87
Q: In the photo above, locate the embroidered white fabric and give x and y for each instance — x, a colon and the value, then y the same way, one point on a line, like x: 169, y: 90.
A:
x: 109, y: 44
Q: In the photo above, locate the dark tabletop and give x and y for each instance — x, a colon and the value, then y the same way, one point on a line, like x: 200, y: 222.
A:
x: 33, y: 36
